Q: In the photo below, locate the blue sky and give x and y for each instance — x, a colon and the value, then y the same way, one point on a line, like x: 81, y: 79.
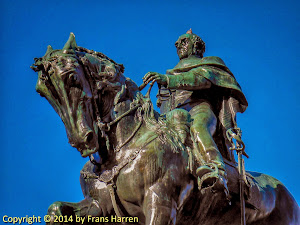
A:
x: 258, y: 40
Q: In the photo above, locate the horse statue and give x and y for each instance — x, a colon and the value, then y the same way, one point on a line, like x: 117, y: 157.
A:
x: 140, y: 167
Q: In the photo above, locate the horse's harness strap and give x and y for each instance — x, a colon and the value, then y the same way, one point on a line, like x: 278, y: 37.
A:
x: 108, y: 175
x: 113, y: 199
x: 106, y: 126
x: 118, y: 147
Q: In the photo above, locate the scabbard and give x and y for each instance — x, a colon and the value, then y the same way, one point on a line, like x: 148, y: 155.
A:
x: 241, y: 181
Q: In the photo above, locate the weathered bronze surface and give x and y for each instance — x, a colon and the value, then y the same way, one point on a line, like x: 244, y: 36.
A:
x: 173, y: 168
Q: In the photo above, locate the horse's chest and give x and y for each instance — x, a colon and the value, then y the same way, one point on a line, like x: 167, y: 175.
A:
x: 139, y: 174
x: 130, y: 182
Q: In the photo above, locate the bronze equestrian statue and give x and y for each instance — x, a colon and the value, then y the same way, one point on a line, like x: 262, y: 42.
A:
x: 142, y: 163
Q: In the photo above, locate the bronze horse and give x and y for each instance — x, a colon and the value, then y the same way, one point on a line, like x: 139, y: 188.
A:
x: 143, y: 170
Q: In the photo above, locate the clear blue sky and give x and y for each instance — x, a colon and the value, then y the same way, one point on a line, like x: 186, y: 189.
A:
x: 258, y: 40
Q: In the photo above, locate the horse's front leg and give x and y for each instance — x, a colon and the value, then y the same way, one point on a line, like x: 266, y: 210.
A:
x: 159, y: 207
x: 70, y: 213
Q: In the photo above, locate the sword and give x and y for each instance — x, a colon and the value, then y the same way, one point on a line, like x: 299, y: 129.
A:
x: 236, y: 134
x: 241, y: 181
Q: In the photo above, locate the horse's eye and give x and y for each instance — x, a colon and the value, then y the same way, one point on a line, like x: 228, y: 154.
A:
x: 73, y: 77
x: 74, y: 81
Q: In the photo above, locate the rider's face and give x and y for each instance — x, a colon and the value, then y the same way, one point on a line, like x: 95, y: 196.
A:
x: 184, y: 46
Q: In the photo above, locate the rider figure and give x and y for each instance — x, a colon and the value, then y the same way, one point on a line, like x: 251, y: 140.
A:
x: 206, y: 88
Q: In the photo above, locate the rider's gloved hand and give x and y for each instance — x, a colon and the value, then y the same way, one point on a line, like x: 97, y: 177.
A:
x: 157, y: 77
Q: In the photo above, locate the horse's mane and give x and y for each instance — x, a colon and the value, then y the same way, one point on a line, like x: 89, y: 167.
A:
x: 101, y: 56
x: 158, y: 124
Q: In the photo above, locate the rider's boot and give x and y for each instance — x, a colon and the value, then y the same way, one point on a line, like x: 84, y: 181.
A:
x: 213, y: 173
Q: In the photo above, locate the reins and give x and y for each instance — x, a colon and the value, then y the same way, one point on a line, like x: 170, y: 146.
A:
x: 106, y: 126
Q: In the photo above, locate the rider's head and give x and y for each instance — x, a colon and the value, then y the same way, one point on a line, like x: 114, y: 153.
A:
x: 189, y: 44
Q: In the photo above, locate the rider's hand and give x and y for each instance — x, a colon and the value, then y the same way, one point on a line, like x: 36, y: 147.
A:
x: 153, y: 76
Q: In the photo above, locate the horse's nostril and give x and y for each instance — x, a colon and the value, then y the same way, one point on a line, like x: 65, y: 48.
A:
x: 89, y: 137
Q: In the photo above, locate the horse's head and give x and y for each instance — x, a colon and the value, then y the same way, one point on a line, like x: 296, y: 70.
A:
x: 76, y: 82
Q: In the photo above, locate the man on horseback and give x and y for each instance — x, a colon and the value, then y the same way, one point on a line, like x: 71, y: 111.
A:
x: 206, y: 88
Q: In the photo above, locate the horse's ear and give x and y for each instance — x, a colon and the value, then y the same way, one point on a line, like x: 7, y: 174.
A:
x: 49, y: 49
x: 71, y: 43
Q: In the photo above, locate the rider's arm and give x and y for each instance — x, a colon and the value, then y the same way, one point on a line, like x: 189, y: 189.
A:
x: 191, y: 80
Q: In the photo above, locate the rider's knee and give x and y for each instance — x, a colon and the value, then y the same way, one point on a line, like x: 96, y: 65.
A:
x: 178, y: 116
x: 179, y: 120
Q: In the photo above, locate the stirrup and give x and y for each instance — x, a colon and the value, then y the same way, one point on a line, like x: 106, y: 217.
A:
x: 202, y: 170
x: 207, y: 175
x: 212, y: 176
